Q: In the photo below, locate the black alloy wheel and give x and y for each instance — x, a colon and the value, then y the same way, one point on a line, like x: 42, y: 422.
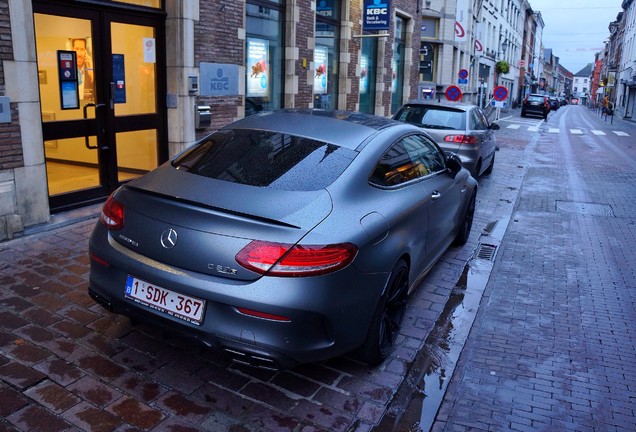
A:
x: 388, y: 317
x: 467, y: 223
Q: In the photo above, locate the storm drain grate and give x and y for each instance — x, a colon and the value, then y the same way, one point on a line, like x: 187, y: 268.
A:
x: 486, y: 251
x: 585, y: 209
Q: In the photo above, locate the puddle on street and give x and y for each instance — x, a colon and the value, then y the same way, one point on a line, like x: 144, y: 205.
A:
x: 415, y: 406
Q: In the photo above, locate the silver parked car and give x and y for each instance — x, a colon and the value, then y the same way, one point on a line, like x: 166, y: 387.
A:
x: 285, y: 237
x: 458, y: 127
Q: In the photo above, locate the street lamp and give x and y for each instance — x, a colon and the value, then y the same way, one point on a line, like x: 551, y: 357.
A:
x: 504, y: 47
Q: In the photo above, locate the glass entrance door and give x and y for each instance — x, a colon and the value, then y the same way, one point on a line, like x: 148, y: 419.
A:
x: 99, y: 75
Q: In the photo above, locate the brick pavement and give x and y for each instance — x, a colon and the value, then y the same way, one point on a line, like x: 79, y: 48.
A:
x: 66, y: 363
x: 553, y: 346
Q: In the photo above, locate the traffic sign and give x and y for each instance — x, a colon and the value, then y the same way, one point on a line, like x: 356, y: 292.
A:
x: 462, y: 81
x: 462, y: 74
x: 500, y: 93
x: 453, y: 93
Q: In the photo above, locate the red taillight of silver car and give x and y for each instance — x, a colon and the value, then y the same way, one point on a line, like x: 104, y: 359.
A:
x: 461, y: 139
x: 279, y: 259
x: 112, y: 215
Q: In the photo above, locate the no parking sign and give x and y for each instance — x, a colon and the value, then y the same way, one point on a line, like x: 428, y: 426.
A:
x: 453, y: 93
x: 500, y: 93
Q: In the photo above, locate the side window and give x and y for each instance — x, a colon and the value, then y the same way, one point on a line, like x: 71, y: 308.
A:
x: 424, y: 153
x: 483, y: 118
x: 409, y: 159
x: 476, y: 120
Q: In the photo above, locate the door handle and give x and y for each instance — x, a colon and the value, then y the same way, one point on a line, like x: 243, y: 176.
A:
x: 436, y: 195
x: 85, y: 109
x: 101, y: 129
x: 112, y: 95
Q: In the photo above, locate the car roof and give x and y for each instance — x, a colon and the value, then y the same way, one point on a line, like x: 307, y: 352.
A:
x: 443, y: 104
x: 344, y: 128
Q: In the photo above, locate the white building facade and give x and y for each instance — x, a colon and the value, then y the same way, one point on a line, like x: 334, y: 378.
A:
x: 626, y: 70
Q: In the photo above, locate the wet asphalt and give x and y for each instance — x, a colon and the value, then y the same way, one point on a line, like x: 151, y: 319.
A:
x: 529, y: 326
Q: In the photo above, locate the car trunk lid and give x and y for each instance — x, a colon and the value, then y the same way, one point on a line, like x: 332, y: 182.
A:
x: 199, y: 224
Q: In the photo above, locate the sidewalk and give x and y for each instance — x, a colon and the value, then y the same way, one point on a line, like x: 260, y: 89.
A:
x: 553, y: 344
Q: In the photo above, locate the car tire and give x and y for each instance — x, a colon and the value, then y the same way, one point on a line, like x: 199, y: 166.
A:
x: 477, y: 172
x: 467, y: 223
x: 387, y: 320
x: 491, y: 166
x: 523, y: 114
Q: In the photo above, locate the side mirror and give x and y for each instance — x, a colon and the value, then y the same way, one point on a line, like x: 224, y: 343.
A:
x: 453, y: 164
x: 494, y: 126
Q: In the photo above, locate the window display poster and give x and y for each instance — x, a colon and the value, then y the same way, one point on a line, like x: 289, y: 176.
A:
x: 119, y: 78
x: 70, y: 96
x: 150, y: 55
x: 364, y: 74
x: 257, y: 67
x: 69, y: 86
x: 321, y: 57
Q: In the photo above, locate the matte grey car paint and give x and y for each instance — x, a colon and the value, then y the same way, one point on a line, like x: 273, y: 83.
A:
x: 329, y: 314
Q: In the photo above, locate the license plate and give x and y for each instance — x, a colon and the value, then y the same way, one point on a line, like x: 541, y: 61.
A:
x: 177, y: 305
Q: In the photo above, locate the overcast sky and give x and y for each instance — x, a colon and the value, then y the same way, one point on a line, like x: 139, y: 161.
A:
x: 576, y: 29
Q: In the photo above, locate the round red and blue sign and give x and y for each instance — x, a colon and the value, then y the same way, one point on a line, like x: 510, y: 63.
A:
x: 500, y: 93
x: 453, y: 93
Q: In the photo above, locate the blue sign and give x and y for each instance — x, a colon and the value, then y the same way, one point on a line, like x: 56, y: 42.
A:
x: 219, y: 79
x: 376, y: 15
x: 119, y: 79
x: 462, y: 81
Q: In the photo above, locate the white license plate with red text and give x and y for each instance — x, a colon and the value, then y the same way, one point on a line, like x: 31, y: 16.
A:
x: 181, y: 306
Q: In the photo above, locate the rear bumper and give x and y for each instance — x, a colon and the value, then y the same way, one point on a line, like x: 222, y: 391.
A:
x: 328, y: 315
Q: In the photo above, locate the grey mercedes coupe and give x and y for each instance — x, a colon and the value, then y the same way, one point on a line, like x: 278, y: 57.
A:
x: 284, y: 238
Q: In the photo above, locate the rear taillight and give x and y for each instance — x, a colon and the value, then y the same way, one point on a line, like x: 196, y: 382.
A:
x: 278, y: 259
x: 461, y: 139
x: 112, y: 215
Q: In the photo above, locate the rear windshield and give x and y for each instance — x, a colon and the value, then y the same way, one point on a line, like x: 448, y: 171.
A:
x: 432, y: 117
x: 266, y: 159
x: 535, y: 99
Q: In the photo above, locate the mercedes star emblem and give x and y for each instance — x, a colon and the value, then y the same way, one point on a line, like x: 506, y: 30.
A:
x: 169, y: 238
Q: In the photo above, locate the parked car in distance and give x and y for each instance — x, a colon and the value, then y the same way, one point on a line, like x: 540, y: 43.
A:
x: 457, y: 127
x: 574, y: 101
x: 535, y: 104
x: 286, y: 237
x: 554, y: 103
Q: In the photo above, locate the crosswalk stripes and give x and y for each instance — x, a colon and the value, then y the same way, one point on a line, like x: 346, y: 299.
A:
x: 551, y: 130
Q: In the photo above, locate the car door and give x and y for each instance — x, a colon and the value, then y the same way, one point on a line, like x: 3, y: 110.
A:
x: 484, y: 133
x: 441, y: 193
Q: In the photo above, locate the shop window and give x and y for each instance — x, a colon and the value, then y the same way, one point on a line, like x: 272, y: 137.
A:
x: 397, y: 65
x: 147, y: 3
x: 264, y: 54
x: 326, y: 55
x: 368, y: 61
